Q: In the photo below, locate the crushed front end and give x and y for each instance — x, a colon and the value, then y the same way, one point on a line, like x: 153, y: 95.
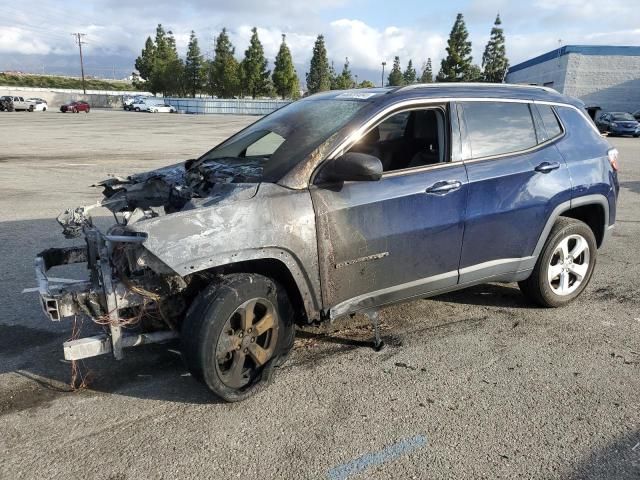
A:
x: 132, y: 295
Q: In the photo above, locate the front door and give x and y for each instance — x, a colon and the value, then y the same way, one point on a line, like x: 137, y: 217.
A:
x: 399, y: 237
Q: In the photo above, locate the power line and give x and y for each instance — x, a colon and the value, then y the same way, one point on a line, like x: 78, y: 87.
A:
x: 79, y: 37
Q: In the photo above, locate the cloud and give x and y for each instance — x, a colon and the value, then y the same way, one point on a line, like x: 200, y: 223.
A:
x: 118, y: 28
x: 367, y: 46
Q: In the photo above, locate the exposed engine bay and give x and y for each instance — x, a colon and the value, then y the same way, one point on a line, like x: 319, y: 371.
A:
x: 128, y: 287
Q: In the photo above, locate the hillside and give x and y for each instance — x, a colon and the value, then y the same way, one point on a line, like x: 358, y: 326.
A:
x: 50, y: 81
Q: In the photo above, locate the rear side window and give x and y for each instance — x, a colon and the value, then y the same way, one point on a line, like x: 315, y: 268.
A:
x: 497, y: 128
x: 550, y: 123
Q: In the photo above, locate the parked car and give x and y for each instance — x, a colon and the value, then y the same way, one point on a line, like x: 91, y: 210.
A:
x: 128, y: 100
x: 40, y: 105
x: 309, y: 214
x: 6, y: 103
x: 76, y: 107
x: 13, y: 103
x: 618, y: 123
x: 144, y: 104
x: 636, y: 115
x: 161, y: 108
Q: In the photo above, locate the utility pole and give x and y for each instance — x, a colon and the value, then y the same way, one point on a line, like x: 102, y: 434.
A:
x: 80, y: 42
x: 384, y: 64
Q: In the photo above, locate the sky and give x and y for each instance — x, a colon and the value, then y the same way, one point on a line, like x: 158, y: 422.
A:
x: 35, y: 36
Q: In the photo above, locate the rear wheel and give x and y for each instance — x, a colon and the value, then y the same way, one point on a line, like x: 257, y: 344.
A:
x: 565, y: 265
x: 235, y: 332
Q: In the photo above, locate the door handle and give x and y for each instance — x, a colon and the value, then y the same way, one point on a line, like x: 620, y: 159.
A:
x: 546, y: 167
x: 444, y: 187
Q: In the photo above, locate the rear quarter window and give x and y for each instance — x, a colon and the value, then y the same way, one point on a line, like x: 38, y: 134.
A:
x: 498, y: 128
x: 550, y: 122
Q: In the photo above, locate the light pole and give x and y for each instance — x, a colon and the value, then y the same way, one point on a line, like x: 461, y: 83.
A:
x: 356, y: 80
x: 383, y: 65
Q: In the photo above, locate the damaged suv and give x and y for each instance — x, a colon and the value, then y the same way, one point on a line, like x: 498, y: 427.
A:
x: 340, y: 203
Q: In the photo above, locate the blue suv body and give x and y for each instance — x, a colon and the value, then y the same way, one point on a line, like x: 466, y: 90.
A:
x: 342, y: 202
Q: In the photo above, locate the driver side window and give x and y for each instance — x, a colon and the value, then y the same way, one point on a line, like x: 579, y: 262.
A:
x: 408, y: 139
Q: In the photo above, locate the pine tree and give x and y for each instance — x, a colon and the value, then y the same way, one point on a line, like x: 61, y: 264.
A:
x: 254, y: 67
x: 344, y: 81
x: 395, y: 78
x: 285, y: 78
x: 166, y: 74
x: 173, y: 73
x: 494, y: 59
x: 144, y: 63
x: 333, y: 78
x: 318, y: 79
x: 223, y: 72
x: 456, y: 66
x: 409, y: 74
x: 427, y: 72
x: 193, y: 66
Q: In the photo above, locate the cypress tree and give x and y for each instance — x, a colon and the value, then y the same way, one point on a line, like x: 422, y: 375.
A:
x: 494, y: 59
x: 457, y: 65
x: 193, y: 66
x: 144, y: 63
x: 427, y: 72
x: 285, y: 78
x: 254, y: 67
x: 409, y: 74
x: 318, y: 79
x: 395, y: 78
x: 333, y: 78
x: 223, y: 71
x: 345, y: 81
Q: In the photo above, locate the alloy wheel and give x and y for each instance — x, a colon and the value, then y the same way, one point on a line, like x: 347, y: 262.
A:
x: 247, y: 342
x: 569, y: 265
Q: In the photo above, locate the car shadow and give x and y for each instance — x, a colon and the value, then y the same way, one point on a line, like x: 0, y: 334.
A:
x: 488, y: 295
x: 619, y: 460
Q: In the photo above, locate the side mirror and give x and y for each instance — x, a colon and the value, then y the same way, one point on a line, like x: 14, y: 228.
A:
x: 351, y: 166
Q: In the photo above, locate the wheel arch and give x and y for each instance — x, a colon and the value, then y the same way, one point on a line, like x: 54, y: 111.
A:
x: 277, y: 270
x: 591, y: 209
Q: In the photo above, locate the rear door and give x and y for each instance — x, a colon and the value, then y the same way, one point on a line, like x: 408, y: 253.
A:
x: 392, y: 239
x: 516, y: 178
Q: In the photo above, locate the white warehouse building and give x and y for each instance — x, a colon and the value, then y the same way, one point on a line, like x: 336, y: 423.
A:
x: 602, y: 76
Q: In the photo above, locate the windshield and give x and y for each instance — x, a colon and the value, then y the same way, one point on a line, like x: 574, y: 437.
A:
x: 280, y: 140
x: 622, y: 116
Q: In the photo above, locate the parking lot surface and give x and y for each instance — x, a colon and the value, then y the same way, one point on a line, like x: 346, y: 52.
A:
x: 472, y: 384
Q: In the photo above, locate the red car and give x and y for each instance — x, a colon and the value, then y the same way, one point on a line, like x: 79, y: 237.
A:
x: 75, y: 107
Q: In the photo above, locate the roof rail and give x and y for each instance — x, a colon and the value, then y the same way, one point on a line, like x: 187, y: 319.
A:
x: 474, y: 84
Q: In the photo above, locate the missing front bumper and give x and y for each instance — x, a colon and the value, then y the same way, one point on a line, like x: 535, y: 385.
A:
x: 101, y: 297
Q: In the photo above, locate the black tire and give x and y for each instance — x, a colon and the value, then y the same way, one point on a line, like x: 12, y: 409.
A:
x: 204, y: 327
x: 537, y: 287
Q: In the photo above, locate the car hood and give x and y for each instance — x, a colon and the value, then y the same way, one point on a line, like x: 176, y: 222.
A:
x: 180, y: 187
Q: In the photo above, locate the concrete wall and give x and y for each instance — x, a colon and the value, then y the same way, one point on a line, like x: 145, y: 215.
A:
x: 609, y: 81
x: 58, y: 96
x: 551, y: 71
x: 612, y: 82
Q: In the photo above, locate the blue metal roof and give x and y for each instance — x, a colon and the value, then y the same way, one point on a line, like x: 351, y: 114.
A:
x: 610, y: 50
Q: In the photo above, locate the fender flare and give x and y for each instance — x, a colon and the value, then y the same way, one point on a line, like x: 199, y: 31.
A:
x: 594, y: 199
x: 309, y: 297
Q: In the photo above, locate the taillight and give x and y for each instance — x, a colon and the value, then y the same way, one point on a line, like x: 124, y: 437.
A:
x: 613, y: 158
